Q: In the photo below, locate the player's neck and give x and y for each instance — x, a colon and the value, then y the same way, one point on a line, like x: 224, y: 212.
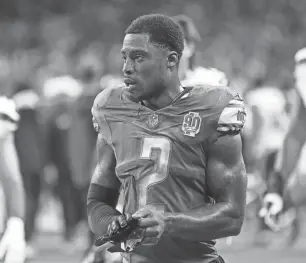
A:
x: 164, y: 99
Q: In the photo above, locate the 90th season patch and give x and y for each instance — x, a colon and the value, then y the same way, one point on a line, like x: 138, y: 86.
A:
x: 191, y: 124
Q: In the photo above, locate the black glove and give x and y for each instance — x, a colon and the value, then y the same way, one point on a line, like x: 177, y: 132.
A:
x: 119, y: 230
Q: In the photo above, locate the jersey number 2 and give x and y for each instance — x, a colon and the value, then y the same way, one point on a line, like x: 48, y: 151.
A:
x: 157, y: 149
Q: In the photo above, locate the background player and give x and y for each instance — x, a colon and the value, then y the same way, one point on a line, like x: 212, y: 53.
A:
x: 286, y: 186
x: 154, y: 111
x: 12, y: 244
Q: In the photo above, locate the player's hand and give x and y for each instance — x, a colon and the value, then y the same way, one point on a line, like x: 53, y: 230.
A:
x: 272, y: 204
x: 117, y: 224
x: 153, y: 224
x: 272, y: 207
x: 12, y: 244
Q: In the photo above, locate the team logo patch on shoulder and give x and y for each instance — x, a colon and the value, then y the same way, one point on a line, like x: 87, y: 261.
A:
x: 95, y: 124
x: 191, y: 124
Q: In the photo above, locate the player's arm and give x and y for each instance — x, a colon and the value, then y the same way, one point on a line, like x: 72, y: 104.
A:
x: 287, y: 159
x: 289, y: 155
x: 103, y: 191
x: 11, y: 179
x: 227, y: 182
x: 12, y: 244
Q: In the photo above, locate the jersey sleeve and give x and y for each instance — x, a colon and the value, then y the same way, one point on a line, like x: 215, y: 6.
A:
x: 232, y: 118
x: 99, y: 120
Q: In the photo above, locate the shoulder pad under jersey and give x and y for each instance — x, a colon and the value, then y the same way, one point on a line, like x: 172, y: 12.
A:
x: 104, y: 98
x: 227, y: 107
x: 208, y: 96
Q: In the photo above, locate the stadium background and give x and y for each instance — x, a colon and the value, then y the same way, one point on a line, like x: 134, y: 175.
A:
x: 247, y: 39
x: 244, y: 38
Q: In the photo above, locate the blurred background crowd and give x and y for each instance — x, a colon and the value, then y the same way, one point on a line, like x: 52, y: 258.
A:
x: 57, y: 55
x: 245, y: 39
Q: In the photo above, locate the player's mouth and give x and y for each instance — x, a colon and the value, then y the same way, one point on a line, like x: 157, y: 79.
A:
x: 130, y: 83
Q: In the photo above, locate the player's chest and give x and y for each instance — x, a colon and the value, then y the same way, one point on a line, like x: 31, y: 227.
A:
x: 186, y: 130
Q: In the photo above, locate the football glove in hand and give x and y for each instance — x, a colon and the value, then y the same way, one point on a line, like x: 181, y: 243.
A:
x: 119, y: 230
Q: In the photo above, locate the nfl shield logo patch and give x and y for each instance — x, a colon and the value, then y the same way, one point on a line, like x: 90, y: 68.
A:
x: 191, y: 124
x: 153, y: 121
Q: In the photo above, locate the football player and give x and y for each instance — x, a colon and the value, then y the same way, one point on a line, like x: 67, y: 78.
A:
x: 189, y: 74
x: 287, y: 184
x: 12, y: 243
x: 172, y: 152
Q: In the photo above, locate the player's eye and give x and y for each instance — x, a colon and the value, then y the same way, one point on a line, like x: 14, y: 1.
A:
x: 124, y: 59
x: 139, y: 58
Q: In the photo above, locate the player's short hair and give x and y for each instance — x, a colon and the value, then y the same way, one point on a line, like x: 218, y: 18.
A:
x: 163, y: 31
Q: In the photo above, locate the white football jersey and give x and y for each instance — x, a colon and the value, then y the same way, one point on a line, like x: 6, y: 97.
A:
x: 270, y: 102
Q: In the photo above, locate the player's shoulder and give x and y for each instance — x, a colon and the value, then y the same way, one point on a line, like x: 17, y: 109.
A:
x: 233, y: 115
x: 107, y: 96
x: 212, y: 96
x: 226, y: 107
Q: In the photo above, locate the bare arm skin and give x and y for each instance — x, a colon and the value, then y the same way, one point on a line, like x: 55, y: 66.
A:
x: 103, y: 190
x: 11, y: 178
x: 227, y: 182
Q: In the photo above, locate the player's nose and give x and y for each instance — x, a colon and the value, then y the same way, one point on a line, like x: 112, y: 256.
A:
x: 128, y: 67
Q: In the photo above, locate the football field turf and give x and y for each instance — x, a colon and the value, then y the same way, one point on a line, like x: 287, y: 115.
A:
x: 52, y: 250
x: 51, y: 253
x: 251, y: 255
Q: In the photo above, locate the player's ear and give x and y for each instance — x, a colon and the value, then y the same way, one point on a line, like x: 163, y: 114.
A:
x: 173, y: 59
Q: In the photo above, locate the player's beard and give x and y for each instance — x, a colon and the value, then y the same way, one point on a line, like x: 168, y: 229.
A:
x: 154, y: 90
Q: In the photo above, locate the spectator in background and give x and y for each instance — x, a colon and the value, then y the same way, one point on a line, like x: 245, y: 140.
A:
x: 30, y: 150
x: 189, y: 73
x: 61, y: 92
x: 82, y: 140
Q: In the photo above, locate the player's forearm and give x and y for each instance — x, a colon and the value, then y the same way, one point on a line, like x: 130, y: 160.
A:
x: 206, y: 223
x: 15, y: 198
x: 12, y: 180
x: 290, y: 155
x: 288, y: 158
x: 101, y: 202
x: 100, y: 215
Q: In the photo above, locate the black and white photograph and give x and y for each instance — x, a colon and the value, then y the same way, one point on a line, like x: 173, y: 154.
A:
x: 165, y: 131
